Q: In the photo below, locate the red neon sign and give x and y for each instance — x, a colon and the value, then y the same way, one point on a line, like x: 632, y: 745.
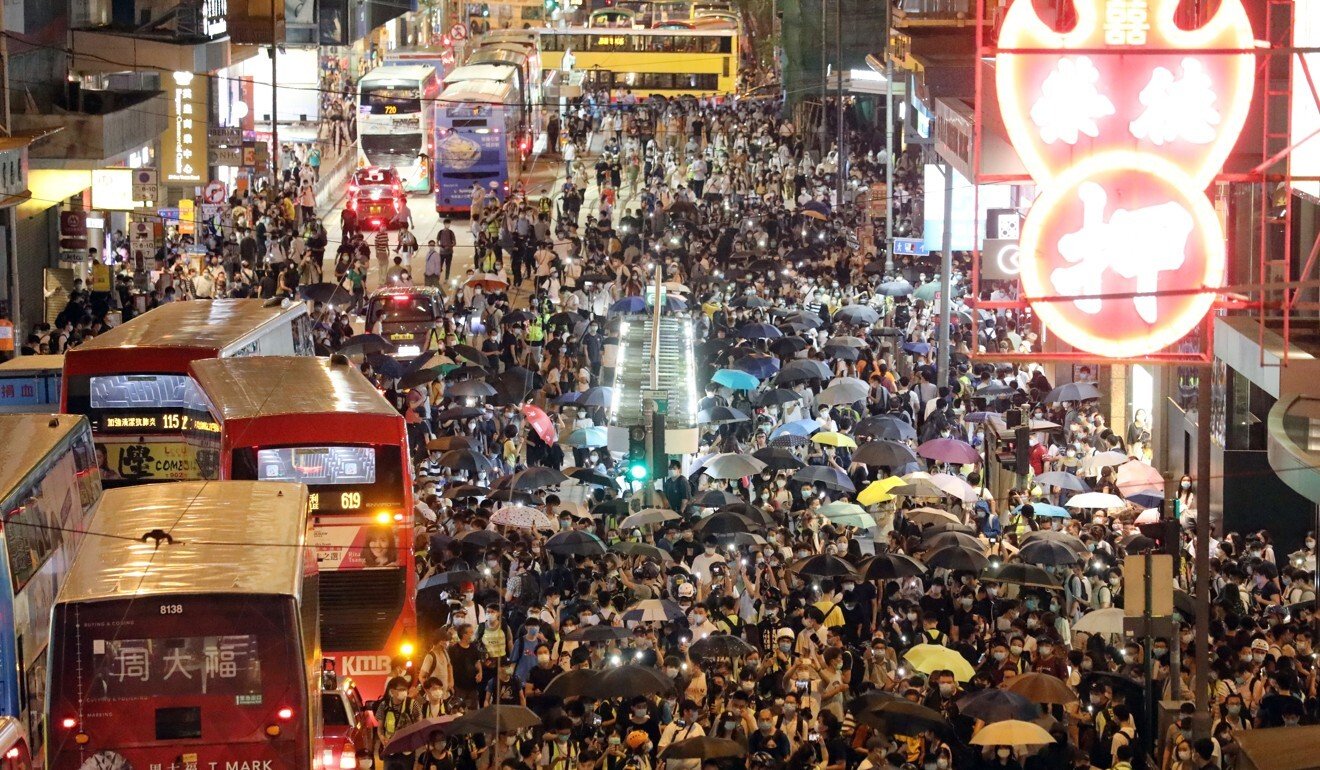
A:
x: 1123, y: 145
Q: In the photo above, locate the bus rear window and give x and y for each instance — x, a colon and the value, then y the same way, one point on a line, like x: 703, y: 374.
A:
x: 333, y: 711
x: 141, y: 391
x: 322, y: 465
x: 173, y: 724
x: 125, y: 669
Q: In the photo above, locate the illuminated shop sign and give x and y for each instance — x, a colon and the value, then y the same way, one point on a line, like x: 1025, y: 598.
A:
x: 1123, y: 146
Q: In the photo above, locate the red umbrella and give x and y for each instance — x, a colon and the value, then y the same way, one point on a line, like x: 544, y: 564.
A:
x: 540, y: 423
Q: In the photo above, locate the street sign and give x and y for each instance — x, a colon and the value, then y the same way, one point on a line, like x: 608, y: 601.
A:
x: 910, y: 247
x: 146, y: 188
x: 1161, y: 585
x: 214, y: 192
x: 458, y: 32
x: 73, y: 230
x: 656, y: 399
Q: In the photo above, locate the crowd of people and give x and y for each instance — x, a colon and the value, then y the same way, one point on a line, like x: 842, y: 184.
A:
x: 837, y: 579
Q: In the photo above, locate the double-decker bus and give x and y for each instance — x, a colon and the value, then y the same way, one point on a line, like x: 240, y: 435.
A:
x: 396, y: 108
x: 132, y: 381
x: 648, y: 62
x: 185, y: 636
x: 49, y: 482
x: 31, y: 384
x: 477, y: 126
x: 526, y: 59
x: 320, y: 422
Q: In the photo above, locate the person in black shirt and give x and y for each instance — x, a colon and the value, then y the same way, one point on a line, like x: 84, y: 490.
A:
x: 767, y: 738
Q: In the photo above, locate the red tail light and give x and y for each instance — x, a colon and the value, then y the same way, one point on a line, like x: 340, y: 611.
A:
x: 285, y: 714
x: 348, y: 757
x: 69, y: 723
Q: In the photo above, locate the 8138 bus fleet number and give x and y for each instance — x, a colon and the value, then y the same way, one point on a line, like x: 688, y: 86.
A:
x: 171, y: 609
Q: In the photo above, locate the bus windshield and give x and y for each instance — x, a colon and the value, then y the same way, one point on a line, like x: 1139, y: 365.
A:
x: 342, y: 479
x: 392, y: 100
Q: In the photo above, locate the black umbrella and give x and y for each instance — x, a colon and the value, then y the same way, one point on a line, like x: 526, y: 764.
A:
x: 517, y: 317
x: 703, y: 747
x: 466, y: 372
x: 469, y: 354
x: 1020, y: 574
x: 469, y: 389
x: 444, y: 580
x: 614, y: 507
x: 491, y: 719
x: 788, y: 346
x: 588, y: 476
x: 725, y: 523
x: 908, y: 718
x: 507, y: 495
x: 629, y: 548
x: 890, y: 566
x: 483, y: 538
x: 629, y: 681
x: 715, y: 498
x: 446, y: 443
x: 417, y: 378
x: 566, y: 319
x: 366, y: 343
x: 326, y: 293
x: 466, y: 490
x: 824, y: 565
x: 574, y: 682
x: 883, y: 452
x: 996, y: 705
x: 465, y: 460
x: 417, y: 362
x: 777, y: 396
x: 1048, y: 552
x: 778, y: 459
x: 1073, y: 391
x: 885, y: 426
x: 832, y: 478
x: 514, y: 386
x: 531, y: 479
x: 748, y: 511
x: 957, y: 558
x: 458, y: 413
x: 575, y: 542
x: 719, y: 647
x: 385, y: 365
x: 598, y: 634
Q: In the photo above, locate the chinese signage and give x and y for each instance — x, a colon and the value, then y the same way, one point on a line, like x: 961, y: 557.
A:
x: 180, y: 666
x: 13, y: 171
x: 150, y: 460
x: 1122, y: 147
x: 185, y: 135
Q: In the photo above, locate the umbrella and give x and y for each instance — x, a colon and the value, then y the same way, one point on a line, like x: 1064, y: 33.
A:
x: 776, y: 397
x: 1072, y: 541
x: 416, y: 735
x: 946, y: 538
x: 759, y: 331
x: 648, y: 516
x: 927, y: 291
x: 919, y: 484
x: 515, y: 385
x: 327, y: 294
x: 1095, y: 500
x: 656, y: 611
x: 720, y: 415
x: 719, y: 647
x: 1135, y: 476
x: 446, y: 443
x: 385, y: 365
x: 465, y: 490
x: 445, y: 580
x: 833, y: 478
x: 483, y: 538
x: 465, y: 460
x: 1049, y: 511
x: 750, y: 301
x: 418, y: 378
x: 588, y: 476
x: 905, y: 717
x: 597, y: 634
x: 879, y: 491
x: 1020, y: 574
x: 455, y: 372
x: 366, y: 344
x: 957, y: 558
x: 801, y: 428
x: 732, y: 465
x: 891, y: 566
x: 735, y: 379
x: 801, y: 370
x: 1091, y: 465
x: 841, y: 508
x: 703, y: 747
x: 723, y: 523
x: 1012, y: 732
x: 859, y: 315
x: 949, y: 450
x: 1148, y: 516
x: 629, y: 681
x: 1048, y: 552
x: 824, y: 565
x: 469, y: 354
x: 576, y: 681
x: 896, y: 288
x: 925, y: 516
x: 996, y: 705
x: 601, y: 396
x: 886, y: 426
x: 1107, y: 621
x: 1073, y: 391
x: 834, y: 439
x: 936, y: 657
x: 758, y: 365
x: 575, y: 542
x: 522, y: 517
x: 845, y: 390
x: 778, y: 459
x: 629, y: 548
x: 588, y: 438
x: 917, y: 348
x: 493, y: 719
x: 841, y: 352
x: 955, y: 487
x: 1063, y: 480
x: 533, y: 478
x: 1041, y: 688
x: 715, y: 498
x: 488, y: 282
x: 788, y: 346
x: 886, y: 453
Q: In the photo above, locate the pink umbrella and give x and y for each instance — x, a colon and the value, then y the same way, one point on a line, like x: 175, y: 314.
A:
x: 1134, y: 476
x: 949, y: 450
x: 1148, y: 516
x: 540, y: 423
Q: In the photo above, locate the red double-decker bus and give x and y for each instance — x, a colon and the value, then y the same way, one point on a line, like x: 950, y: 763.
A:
x: 320, y: 422
x: 185, y: 635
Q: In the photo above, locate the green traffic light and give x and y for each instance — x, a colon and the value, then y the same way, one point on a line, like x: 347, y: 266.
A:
x: 637, y: 471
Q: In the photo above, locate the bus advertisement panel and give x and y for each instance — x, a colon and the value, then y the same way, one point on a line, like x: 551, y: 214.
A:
x: 476, y: 143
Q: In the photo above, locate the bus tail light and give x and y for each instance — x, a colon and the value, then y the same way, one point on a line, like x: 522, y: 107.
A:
x: 348, y: 757
x: 285, y: 714
x: 12, y: 753
x: 69, y: 723
x: 327, y: 758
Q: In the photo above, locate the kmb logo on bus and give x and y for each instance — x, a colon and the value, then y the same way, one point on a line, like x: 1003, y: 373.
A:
x: 364, y: 665
x: 1123, y: 122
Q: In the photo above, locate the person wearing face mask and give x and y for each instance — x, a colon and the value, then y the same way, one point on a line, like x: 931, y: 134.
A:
x: 767, y: 737
x: 676, y: 488
x: 559, y: 750
x: 434, y: 699
x: 437, y: 756
x: 686, y: 726
x: 710, y: 556
x: 699, y: 624
x: 1002, y: 758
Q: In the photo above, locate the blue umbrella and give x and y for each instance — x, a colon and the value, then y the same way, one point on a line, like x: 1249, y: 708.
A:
x: 760, y: 366
x: 1147, y: 499
x: 802, y: 428
x: 629, y: 305
x: 588, y: 438
x: 598, y: 396
x: 922, y: 348
x: 759, y: 331
x: 1051, y: 511
x: 570, y: 397
x: 899, y: 288
x: 735, y: 379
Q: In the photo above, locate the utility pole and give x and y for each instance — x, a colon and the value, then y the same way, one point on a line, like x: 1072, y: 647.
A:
x: 1201, y: 683
x: 946, y: 269
x: 842, y: 164
x: 824, y: 78
x: 274, y: 102
x: 889, y: 165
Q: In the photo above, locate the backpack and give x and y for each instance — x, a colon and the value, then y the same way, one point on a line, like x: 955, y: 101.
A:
x: 990, y: 526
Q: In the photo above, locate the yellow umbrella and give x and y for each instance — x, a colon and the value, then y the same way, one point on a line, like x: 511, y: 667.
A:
x: 936, y: 657
x: 878, y: 491
x: 833, y: 438
x: 1012, y: 732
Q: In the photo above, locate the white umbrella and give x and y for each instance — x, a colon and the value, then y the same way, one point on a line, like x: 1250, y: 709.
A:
x: 1091, y: 465
x: 955, y: 487
x: 1108, y: 621
x: 732, y: 465
x: 1095, y: 500
x: 844, y: 390
x: 1148, y: 516
x: 648, y: 516
x: 522, y: 517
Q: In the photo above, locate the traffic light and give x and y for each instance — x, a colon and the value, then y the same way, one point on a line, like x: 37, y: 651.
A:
x: 1166, y: 535
x: 637, y: 468
x: 1022, y: 449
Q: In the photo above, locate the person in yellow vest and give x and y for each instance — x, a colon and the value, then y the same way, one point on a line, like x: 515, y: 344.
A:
x: 1021, y: 521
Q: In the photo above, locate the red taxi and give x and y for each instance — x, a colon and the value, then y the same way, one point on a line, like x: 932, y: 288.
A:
x: 376, y: 196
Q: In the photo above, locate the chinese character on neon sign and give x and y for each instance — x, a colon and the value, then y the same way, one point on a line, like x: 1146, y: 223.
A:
x: 1123, y: 122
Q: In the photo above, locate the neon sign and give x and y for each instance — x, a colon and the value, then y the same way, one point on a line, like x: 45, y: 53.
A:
x: 1123, y: 125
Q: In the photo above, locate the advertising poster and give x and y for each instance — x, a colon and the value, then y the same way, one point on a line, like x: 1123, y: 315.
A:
x: 150, y: 461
